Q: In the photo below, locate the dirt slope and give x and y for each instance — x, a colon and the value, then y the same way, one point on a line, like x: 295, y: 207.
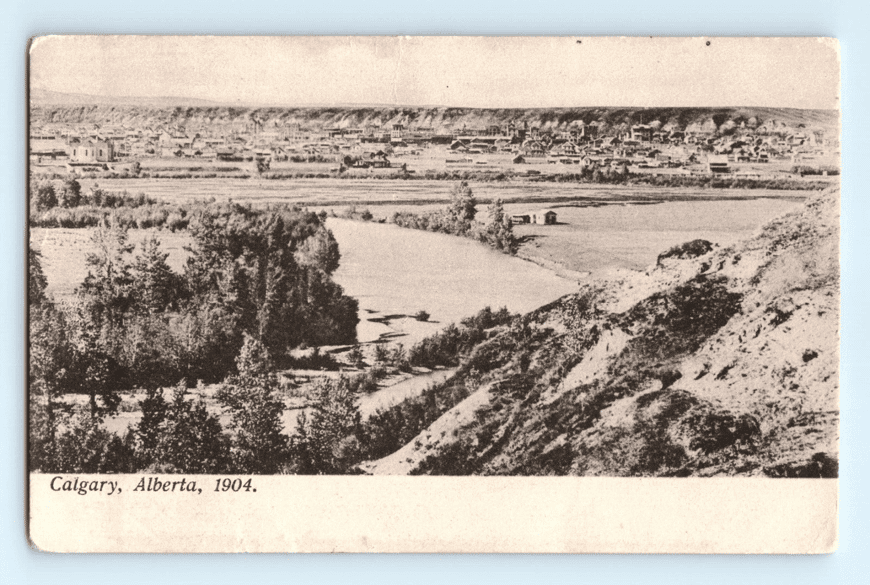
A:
x: 713, y: 362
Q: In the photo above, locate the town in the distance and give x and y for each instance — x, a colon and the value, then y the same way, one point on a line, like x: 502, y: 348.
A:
x: 746, y: 143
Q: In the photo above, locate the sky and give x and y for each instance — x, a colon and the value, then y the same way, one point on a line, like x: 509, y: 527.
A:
x: 492, y: 72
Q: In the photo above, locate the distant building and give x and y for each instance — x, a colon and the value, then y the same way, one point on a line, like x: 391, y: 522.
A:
x: 225, y: 154
x: 379, y: 160
x: 547, y: 217
x: 718, y: 164
x: 91, y: 151
x: 641, y: 132
x: 520, y: 218
x: 533, y: 148
x: 397, y: 133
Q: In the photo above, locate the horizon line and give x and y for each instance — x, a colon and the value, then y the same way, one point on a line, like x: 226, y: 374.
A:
x: 249, y: 104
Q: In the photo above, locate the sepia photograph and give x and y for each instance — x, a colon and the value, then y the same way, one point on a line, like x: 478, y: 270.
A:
x: 256, y: 260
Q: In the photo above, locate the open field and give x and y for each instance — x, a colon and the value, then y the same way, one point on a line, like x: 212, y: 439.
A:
x: 318, y: 193
x: 592, y: 239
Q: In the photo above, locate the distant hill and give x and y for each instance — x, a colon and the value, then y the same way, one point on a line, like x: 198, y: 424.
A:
x: 48, y: 106
x: 44, y: 97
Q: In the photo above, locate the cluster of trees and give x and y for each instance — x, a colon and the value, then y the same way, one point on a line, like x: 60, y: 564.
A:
x: 448, y: 346
x: 311, y: 158
x: 65, y: 205
x: 355, y: 213
x: 724, y: 182
x: 178, y: 435
x: 815, y: 170
x: 254, y: 279
x: 46, y: 195
x: 459, y: 219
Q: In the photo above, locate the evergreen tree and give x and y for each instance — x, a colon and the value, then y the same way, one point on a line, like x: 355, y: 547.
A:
x: 52, y: 370
x: 86, y: 447
x: 255, y: 410
x: 462, y: 209
x: 499, y: 230
x: 107, y: 290
x: 36, y: 283
x: 326, y: 441
x: 154, y: 284
x: 106, y: 297
x: 148, y: 430
x: 181, y: 436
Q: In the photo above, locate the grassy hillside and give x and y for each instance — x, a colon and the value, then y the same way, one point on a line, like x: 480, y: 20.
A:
x: 713, y: 362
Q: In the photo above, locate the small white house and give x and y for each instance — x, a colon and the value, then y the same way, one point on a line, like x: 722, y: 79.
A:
x: 547, y: 217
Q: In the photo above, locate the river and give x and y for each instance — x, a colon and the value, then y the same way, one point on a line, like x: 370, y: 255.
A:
x: 394, y: 271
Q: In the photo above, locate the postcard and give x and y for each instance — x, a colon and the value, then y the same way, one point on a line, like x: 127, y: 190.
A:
x: 433, y: 294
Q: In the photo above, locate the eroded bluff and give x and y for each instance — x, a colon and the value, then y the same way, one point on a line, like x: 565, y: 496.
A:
x: 713, y: 362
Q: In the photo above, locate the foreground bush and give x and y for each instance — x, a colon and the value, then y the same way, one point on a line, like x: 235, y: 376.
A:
x: 251, y: 399
x: 446, y: 347
x: 327, y: 441
x: 180, y: 436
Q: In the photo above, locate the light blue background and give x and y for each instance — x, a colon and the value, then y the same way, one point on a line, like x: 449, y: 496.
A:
x: 845, y: 20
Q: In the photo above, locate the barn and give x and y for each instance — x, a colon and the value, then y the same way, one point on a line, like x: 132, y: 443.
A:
x: 547, y: 217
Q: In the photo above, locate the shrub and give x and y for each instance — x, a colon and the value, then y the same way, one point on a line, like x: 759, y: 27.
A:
x: 88, y: 448
x: 180, y: 436
x: 381, y: 354
x: 44, y: 196
x: 685, y: 251
x: 258, y: 445
x: 387, y: 431
x: 446, y: 347
x: 326, y: 441
x: 355, y: 356
x: 71, y: 193
x: 315, y: 361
